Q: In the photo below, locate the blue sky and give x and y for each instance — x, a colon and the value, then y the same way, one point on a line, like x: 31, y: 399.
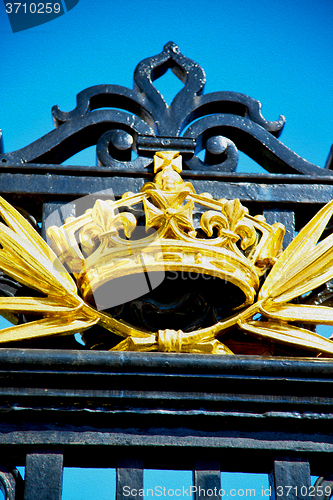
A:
x: 279, y: 52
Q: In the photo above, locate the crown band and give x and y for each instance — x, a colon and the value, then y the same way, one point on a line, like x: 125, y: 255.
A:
x: 229, y: 244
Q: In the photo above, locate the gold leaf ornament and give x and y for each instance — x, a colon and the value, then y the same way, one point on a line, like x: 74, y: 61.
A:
x: 303, y: 266
x: 27, y: 258
x: 88, y: 250
x: 230, y: 223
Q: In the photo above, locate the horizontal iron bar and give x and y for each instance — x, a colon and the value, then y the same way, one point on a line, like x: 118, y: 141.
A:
x: 54, y: 186
x: 22, y: 360
x: 83, y: 402
x: 169, y: 382
x: 111, y: 172
x: 152, y: 144
x: 252, y: 452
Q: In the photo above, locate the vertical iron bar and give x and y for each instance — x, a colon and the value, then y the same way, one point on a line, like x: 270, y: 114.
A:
x: 43, y: 476
x: 129, y: 479
x: 290, y: 480
x: 60, y: 210
x: 207, y: 480
x: 287, y: 218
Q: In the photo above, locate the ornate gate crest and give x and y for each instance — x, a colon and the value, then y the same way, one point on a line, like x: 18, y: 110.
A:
x: 229, y: 286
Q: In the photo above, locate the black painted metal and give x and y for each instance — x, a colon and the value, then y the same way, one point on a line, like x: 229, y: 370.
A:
x: 290, y: 479
x: 257, y: 192
x: 130, y: 410
x: 329, y: 161
x: 43, y: 476
x: 219, y: 122
x: 207, y: 481
x: 324, y: 487
x: 11, y: 483
x: 99, y: 407
x: 287, y: 218
x: 129, y: 479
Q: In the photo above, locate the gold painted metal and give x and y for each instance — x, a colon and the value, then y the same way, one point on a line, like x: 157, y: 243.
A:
x: 232, y: 246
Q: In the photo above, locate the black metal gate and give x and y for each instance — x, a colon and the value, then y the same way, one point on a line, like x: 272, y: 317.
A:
x: 62, y: 405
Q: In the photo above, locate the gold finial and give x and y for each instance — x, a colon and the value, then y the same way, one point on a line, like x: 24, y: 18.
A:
x: 168, y: 164
x: 164, y: 159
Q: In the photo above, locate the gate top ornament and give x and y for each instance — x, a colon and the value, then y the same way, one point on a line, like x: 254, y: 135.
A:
x: 237, y: 254
x: 256, y: 298
x: 140, y: 121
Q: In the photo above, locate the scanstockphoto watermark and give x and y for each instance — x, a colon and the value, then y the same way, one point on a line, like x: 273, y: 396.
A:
x: 161, y: 491
x: 316, y: 491
x: 28, y: 14
x: 191, y: 274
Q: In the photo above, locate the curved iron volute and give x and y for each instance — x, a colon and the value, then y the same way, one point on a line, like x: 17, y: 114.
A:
x: 139, y: 122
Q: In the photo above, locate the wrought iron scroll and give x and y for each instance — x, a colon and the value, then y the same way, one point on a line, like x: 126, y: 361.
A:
x: 11, y: 483
x: 139, y: 122
x: 324, y: 487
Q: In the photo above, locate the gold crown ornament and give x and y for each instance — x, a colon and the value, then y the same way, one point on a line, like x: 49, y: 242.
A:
x: 234, y: 246
x: 182, y: 232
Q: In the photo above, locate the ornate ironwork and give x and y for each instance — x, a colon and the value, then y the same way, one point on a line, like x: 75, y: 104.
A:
x: 94, y: 409
x: 234, y: 247
x: 140, y: 121
x: 214, y: 237
x: 11, y: 483
x: 323, y: 487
